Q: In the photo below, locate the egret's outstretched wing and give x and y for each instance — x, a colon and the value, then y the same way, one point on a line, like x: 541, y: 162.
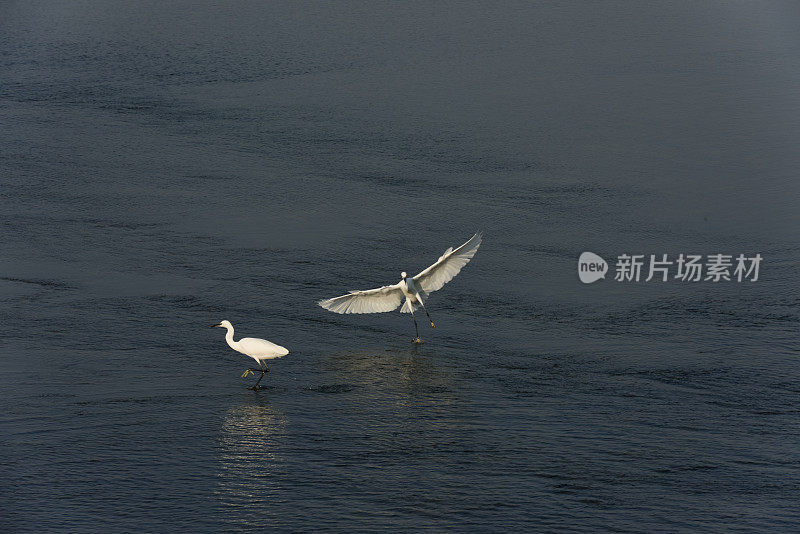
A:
x: 383, y: 299
x: 448, y: 265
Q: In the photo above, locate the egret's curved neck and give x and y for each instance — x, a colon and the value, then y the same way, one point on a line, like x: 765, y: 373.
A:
x: 229, y: 338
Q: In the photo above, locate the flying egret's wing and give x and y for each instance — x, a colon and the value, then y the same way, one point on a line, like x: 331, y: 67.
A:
x: 447, y: 266
x: 383, y: 299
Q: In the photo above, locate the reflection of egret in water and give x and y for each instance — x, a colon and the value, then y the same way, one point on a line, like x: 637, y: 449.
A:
x: 408, y: 369
x: 251, y: 466
x: 417, y: 387
x: 405, y: 425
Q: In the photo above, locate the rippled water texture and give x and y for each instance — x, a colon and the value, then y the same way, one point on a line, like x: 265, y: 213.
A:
x: 164, y: 166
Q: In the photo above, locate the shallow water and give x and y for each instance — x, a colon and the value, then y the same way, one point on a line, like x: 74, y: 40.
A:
x: 167, y: 167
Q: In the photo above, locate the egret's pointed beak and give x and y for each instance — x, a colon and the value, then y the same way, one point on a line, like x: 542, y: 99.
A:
x: 216, y: 326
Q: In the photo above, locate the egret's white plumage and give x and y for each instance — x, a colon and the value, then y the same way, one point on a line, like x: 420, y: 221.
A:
x: 258, y: 349
x: 409, y: 292
x: 382, y: 299
x: 447, y: 266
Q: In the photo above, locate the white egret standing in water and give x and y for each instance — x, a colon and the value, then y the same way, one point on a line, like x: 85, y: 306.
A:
x: 414, y: 290
x: 258, y: 349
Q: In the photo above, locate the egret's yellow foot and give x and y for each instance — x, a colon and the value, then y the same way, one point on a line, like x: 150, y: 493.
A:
x: 249, y: 371
x: 417, y: 340
x: 433, y: 325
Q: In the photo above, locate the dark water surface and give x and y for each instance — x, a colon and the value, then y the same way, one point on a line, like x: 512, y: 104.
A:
x: 164, y: 167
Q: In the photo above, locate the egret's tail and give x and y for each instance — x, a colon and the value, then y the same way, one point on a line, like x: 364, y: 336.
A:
x: 409, y: 307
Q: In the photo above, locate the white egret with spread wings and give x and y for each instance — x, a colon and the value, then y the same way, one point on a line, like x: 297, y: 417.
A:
x: 413, y: 289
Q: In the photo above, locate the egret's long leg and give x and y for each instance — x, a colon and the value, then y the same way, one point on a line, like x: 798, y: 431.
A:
x: 255, y: 386
x: 416, y: 328
x: 253, y: 369
x: 428, y: 314
x: 419, y: 299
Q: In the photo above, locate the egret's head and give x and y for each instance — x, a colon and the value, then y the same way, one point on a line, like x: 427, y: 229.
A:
x: 403, y: 275
x: 224, y: 324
